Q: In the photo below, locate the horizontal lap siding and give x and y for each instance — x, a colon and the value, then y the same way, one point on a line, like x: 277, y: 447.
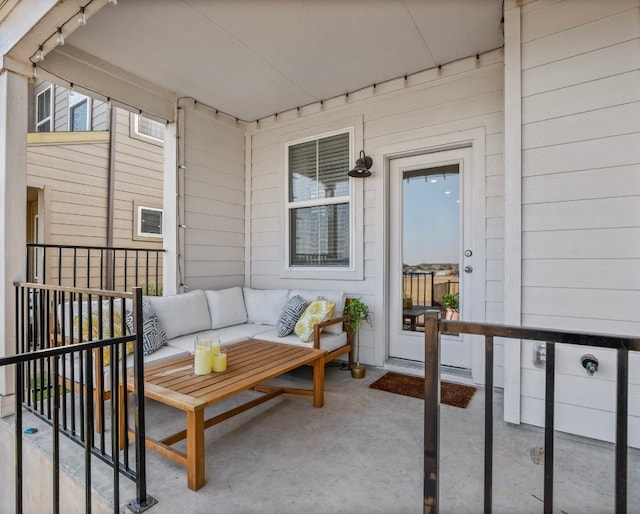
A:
x: 138, y: 178
x: 214, y: 202
x: 463, y: 96
x: 581, y: 199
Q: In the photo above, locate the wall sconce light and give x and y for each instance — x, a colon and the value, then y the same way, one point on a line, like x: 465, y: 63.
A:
x: 362, y: 167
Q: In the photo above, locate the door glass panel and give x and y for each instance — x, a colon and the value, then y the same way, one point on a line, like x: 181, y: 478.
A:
x: 430, y: 241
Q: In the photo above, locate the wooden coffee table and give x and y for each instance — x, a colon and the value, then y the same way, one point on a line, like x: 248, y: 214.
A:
x: 250, y: 363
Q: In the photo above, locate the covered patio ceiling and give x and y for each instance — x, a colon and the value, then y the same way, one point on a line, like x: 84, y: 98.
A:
x: 254, y: 58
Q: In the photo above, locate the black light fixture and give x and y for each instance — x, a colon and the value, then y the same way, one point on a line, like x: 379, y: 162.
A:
x: 362, y: 167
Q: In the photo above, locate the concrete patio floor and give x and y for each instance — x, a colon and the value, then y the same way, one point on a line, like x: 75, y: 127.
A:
x: 363, y: 453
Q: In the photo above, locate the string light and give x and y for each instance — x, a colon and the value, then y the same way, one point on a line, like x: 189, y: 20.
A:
x: 60, y: 38
x: 40, y: 54
x: 113, y: 2
x: 34, y: 72
x: 82, y: 19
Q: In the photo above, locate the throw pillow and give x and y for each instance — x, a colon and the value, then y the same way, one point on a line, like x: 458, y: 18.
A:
x: 316, y: 312
x: 333, y: 296
x: 83, y: 328
x: 290, y: 315
x: 153, y: 337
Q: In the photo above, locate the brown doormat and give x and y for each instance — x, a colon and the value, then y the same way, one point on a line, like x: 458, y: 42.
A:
x: 457, y: 395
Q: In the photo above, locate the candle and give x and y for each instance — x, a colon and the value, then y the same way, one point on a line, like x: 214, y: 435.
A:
x: 220, y: 360
x: 215, y: 347
x: 202, y: 358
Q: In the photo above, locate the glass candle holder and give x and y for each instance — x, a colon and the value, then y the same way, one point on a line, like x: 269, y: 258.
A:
x: 219, y: 362
x: 202, y: 357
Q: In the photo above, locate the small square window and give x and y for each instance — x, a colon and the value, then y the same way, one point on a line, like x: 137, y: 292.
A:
x: 147, y: 128
x: 149, y: 222
x: 79, y: 112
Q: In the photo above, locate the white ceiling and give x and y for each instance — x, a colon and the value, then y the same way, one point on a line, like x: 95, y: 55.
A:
x: 253, y: 58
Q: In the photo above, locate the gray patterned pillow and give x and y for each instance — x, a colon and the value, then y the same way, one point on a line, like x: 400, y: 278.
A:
x: 290, y: 315
x: 153, y: 337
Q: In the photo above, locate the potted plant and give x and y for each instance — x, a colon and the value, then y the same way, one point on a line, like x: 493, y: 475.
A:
x: 356, y: 313
x: 452, y: 304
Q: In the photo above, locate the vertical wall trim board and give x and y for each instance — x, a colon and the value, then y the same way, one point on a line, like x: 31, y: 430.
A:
x: 170, y: 213
x: 512, y: 209
x: 248, y: 180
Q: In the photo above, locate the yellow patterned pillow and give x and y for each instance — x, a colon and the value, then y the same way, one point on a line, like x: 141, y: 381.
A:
x: 106, y: 330
x: 316, y: 312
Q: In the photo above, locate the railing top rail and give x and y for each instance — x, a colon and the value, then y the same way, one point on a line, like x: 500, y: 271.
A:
x: 71, y: 247
x: 539, y: 334
x: 62, y: 350
x: 74, y: 290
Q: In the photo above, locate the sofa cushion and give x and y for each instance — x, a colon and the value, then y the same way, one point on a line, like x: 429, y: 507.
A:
x: 328, y: 342
x: 316, y: 312
x: 336, y: 297
x: 226, y: 307
x: 182, y: 313
x: 186, y: 343
x: 290, y: 315
x: 264, y: 306
x: 153, y: 337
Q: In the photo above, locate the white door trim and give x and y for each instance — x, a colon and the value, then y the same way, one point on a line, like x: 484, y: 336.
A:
x: 423, y: 141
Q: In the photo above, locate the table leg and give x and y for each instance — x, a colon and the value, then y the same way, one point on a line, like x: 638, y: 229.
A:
x: 318, y: 382
x: 413, y: 323
x: 195, y: 449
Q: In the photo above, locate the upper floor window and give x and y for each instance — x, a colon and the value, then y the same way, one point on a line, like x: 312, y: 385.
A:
x: 148, y: 129
x: 44, y: 110
x: 319, y: 202
x: 79, y: 112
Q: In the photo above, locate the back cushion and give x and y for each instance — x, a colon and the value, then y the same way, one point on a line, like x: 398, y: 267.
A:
x: 264, y: 306
x: 226, y: 307
x: 336, y: 297
x: 182, y: 313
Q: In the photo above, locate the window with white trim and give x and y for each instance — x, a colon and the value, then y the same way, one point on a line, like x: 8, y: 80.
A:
x: 79, y: 112
x: 44, y: 110
x: 148, y: 128
x: 319, y: 200
x: 149, y: 222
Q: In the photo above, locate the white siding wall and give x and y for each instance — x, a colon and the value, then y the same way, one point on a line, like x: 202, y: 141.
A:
x: 581, y: 199
x: 214, y: 201
x: 463, y: 96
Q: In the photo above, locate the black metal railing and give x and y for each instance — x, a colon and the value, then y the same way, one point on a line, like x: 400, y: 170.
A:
x: 425, y: 289
x: 74, y: 348
x: 99, y: 267
x: 434, y: 326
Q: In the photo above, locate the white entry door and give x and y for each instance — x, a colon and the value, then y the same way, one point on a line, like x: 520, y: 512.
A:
x: 432, y: 250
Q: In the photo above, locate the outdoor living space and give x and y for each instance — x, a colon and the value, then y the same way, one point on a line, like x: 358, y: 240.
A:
x: 361, y: 452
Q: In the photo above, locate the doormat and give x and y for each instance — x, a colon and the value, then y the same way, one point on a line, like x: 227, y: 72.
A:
x: 457, y: 395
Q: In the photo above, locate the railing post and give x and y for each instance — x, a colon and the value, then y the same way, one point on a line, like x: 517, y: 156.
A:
x: 431, y: 412
x: 142, y: 501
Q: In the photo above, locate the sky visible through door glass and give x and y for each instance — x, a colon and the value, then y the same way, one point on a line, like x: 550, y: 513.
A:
x: 431, y: 219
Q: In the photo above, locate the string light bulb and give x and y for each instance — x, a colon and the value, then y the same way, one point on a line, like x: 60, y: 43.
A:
x: 82, y: 19
x: 34, y: 70
x: 60, y: 39
x: 40, y: 54
x: 113, y: 2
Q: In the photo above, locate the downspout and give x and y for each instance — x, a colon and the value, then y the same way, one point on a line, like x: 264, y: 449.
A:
x: 111, y: 181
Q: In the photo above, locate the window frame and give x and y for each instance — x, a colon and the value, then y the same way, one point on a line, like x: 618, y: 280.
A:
x: 73, y: 103
x: 134, y: 131
x: 137, y: 223
x: 354, y: 270
x: 48, y: 118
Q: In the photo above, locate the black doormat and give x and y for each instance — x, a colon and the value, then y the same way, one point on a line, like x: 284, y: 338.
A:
x: 457, y: 395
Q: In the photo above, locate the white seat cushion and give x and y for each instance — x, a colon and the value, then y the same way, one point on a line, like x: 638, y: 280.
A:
x: 328, y: 342
x: 186, y: 342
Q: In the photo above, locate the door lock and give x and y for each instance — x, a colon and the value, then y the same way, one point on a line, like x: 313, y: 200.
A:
x: 468, y: 253
x: 468, y: 269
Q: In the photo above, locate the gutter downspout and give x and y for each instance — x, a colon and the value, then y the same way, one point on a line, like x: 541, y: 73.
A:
x: 111, y: 180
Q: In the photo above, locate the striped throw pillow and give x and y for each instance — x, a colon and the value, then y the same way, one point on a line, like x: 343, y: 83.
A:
x: 290, y: 315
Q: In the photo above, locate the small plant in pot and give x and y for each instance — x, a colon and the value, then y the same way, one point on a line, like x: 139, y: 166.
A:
x: 356, y: 313
x: 452, y: 304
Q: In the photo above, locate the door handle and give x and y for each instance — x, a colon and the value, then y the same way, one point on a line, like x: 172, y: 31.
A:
x: 468, y: 269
